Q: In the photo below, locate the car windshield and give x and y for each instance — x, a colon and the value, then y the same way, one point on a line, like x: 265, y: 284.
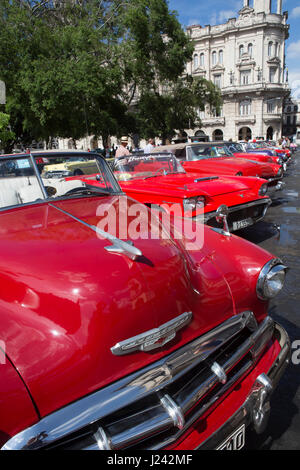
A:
x: 29, y: 178
x: 202, y: 152
x: 134, y: 167
x: 235, y: 147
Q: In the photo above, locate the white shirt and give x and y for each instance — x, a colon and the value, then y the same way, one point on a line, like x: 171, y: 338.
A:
x: 148, y: 148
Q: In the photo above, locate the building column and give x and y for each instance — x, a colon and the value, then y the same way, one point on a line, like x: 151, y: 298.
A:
x: 279, y: 7
x: 246, y: 3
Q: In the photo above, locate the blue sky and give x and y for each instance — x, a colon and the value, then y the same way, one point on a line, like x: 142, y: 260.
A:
x: 218, y: 11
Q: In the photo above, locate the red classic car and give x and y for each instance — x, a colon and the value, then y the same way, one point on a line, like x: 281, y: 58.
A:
x: 209, y: 158
x: 237, y: 150
x: 160, y: 180
x: 267, y: 147
x: 113, y: 343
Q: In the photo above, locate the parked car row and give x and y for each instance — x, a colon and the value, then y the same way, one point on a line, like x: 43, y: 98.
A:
x: 112, y: 341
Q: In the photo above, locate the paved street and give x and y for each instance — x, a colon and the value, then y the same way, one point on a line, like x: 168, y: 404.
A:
x: 284, y: 242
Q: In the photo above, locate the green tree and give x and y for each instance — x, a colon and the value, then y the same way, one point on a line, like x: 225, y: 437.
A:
x: 96, y: 67
x: 6, y: 135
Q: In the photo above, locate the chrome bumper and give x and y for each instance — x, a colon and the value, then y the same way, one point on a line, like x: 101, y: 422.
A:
x: 256, y: 408
x: 204, y: 218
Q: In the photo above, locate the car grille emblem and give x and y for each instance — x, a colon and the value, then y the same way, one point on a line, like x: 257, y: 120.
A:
x: 152, y: 339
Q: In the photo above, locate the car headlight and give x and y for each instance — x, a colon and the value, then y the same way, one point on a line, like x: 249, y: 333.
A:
x: 192, y: 203
x: 280, y: 172
x: 239, y: 173
x: 263, y: 189
x: 271, y: 279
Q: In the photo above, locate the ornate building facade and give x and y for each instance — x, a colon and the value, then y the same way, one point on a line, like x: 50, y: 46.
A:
x: 245, y: 57
x: 291, y: 117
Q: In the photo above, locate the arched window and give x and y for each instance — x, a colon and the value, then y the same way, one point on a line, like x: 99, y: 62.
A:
x: 202, y: 60
x: 221, y: 57
x: 276, y: 49
x: 214, y: 58
x: 196, y: 61
x: 241, y: 50
x: 250, y: 49
x: 270, y: 49
x: 217, y: 134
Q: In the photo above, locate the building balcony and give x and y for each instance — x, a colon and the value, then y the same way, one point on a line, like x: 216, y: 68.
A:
x: 247, y: 119
x: 213, y: 121
x: 254, y: 88
x: 272, y: 117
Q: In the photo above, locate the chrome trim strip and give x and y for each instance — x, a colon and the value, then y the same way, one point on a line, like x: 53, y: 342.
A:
x: 219, y: 372
x: 39, y: 178
x: 210, y: 215
x: 118, y: 246
x: 173, y: 410
x: 102, y: 440
x: 152, y: 379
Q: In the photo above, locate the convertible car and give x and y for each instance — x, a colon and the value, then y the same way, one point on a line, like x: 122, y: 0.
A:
x: 159, y: 181
x: 237, y: 150
x: 109, y: 342
x: 266, y: 148
x: 211, y: 158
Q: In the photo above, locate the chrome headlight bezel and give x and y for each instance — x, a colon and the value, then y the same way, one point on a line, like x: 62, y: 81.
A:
x: 280, y: 172
x: 272, y: 272
x: 263, y: 189
x: 190, y: 204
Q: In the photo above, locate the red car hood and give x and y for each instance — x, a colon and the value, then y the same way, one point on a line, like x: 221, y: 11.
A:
x: 65, y: 301
x: 186, y: 185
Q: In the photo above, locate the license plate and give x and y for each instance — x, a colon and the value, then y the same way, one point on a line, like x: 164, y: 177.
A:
x: 242, y: 224
x: 235, y: 441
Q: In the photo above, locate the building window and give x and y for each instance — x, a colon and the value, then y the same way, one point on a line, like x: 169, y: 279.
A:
x: 250, y: 49
x: 241, y: 50
x: 276, y: 49
x: 201, y: 114
x: 245, y: 77
x: 245, y: 108
x: 217, y: 80
x: 270, y: 49
x: 202, y: 60
x: 196, y: 61
x: 271, y: 107
x: 272, y: 74
x: 217, y: 113
x: 220, y: 57
x: 214, y: 58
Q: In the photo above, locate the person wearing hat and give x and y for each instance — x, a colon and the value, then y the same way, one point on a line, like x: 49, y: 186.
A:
x: 122, y: 150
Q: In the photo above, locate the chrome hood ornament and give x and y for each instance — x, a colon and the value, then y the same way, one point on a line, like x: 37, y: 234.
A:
x: 152, y: 339
x: 118, y: 246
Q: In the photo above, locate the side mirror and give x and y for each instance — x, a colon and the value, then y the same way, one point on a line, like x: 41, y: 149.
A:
x: 221, y: 217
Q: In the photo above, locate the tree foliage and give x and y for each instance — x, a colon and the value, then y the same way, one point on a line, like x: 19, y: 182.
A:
x: 6, y: 134
x: 78, y: 67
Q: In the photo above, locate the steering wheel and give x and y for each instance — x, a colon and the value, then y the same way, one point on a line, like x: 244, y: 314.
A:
x: 51, y: 191
x: 159, y: 169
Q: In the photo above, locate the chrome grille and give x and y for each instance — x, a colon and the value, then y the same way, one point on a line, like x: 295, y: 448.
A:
x: 153, y: 407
